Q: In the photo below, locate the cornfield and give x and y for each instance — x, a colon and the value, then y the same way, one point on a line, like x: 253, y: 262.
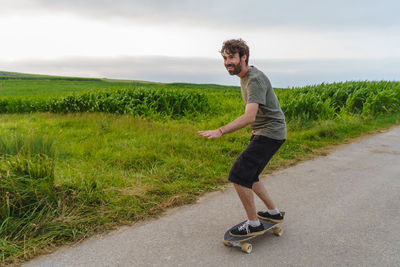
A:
x: 328, y: 101
x: 141, y: 102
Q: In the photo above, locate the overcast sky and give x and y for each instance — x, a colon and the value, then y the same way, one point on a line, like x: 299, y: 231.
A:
x: 295, y: 43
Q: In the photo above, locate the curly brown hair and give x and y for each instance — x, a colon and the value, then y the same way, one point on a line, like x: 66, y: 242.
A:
x: 236, y: 46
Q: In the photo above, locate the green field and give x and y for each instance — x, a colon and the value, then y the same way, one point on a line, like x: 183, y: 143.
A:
x: 17, y: 84
x: 66, y: 174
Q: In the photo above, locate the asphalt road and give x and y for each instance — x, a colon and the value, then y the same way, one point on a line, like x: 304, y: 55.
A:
x: 341, y: 210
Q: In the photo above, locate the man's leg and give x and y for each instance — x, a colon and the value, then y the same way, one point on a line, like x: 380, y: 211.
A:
x: 262, y: 193
x: 247, y: 198
x: 252, y: 226
x: 272, y: 213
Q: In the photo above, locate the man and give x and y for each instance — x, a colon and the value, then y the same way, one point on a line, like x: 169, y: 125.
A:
x: 267, y: 121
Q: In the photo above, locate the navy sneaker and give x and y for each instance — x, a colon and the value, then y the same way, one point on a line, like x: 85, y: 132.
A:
x: 246, y: 229
x: 278, y: 218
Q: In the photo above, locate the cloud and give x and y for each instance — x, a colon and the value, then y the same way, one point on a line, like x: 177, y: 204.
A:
x: 282, y: 73
x: 228, y: 13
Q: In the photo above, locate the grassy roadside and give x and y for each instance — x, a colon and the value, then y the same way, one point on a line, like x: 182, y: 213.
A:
x: 112, y: 170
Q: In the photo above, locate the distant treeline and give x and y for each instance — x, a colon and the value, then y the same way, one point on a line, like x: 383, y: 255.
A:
x: 47, y: 78
x: 6, y: 75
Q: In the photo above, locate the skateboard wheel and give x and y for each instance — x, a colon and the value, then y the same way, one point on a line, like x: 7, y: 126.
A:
x: 278, y: 231
x: 226, y: 243
x: 246, y: 247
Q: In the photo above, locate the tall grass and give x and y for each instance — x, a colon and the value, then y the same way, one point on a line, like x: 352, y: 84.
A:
x: 18, y: 144
x: 27, y: 190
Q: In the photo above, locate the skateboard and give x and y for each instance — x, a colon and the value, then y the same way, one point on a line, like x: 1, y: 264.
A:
x: 232, y: 241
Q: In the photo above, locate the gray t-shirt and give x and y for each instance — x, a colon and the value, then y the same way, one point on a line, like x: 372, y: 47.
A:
x: 270, y: 120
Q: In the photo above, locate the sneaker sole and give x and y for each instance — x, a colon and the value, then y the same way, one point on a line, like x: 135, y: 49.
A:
x: 269, y: 219
x: 249, y: 235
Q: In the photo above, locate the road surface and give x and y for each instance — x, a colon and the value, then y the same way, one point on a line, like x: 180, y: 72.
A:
x: 342, y: 209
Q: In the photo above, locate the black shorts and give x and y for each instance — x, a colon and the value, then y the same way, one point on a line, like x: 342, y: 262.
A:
x: 252, y: 161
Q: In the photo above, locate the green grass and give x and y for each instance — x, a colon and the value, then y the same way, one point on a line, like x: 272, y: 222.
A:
x: 108, y: 169
x: 15, y: 84
x: 50, y: 87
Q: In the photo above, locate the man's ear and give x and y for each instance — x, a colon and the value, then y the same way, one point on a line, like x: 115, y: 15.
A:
x: 244, y: 57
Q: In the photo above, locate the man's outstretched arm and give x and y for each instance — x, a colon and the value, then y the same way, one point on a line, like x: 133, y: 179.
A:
x: 248, y: 117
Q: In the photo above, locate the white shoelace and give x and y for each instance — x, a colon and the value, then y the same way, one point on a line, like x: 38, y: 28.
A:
x: 244, y: 226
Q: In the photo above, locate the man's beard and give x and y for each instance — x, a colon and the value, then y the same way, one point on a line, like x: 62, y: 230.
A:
x: 236, y: 68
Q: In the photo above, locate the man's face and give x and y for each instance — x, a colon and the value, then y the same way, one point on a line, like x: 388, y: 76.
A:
x: 232, y: 62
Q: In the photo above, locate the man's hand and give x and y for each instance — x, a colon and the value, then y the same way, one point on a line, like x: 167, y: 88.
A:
x: 212, y: 134
x: 242, y: 121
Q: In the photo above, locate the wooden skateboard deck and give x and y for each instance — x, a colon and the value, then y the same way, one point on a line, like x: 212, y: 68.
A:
x: 230, y: 241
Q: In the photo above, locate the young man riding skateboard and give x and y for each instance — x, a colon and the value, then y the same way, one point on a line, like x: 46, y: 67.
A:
x: 267, y: 121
